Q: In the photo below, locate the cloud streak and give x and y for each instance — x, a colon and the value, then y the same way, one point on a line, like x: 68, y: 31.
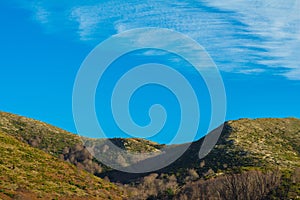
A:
x: 241, y: 36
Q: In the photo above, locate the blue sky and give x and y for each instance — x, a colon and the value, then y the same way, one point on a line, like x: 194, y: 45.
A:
x: 255, y: 45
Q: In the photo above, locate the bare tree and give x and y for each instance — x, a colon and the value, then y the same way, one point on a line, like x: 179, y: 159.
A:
x: 251, y: 185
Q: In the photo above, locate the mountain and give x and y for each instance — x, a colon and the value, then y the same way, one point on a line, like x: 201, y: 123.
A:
x: 250, y: 152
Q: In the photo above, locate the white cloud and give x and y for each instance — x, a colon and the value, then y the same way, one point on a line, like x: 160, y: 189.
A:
x: 251, y: 71
x: 277, y: 23
x: 87, y: 19
x: 238, y: 34
x: 293, y: 74
x: 41, y: 14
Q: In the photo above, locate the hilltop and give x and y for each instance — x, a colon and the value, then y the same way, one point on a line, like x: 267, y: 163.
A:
x: 65, y: 145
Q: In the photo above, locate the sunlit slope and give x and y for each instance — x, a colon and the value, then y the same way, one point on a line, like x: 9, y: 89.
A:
x: 26, y: 172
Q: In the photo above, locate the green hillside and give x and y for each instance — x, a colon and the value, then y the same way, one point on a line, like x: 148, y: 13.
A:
x: 29, y: 173
x: 65, y: 145
x: 265, y: 151
x: 262, y: 152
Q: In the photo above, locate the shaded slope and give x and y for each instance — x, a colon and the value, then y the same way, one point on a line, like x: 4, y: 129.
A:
x: 253, y: 159
x: 244, y: 144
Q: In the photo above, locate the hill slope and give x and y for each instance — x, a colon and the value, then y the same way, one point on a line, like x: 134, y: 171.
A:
x: 260, y: 151
x: 255, y: 150
x: 26, y: 172
x: 65, y: 145
x: 245, y: 143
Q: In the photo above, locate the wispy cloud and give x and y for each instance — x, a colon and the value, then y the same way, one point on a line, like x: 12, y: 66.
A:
x: 41, y: 14
x: 277, y: 24
x: 251, y: 71
x: 88, y: 19
x: 259, y: 36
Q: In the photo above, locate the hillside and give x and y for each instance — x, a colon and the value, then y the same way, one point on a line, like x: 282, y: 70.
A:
x: 261, y: 150
x: 28, y: 173
x: 244, y: 143
x: 65, y: 145
x: 275, y: 141
x: 254, y: 151
x: 53, y: 140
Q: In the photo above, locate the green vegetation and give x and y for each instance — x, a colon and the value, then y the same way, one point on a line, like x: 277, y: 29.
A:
x: 276, y: 142
x: 137, y: 145
x: 249, y: 152
x: 38, y: 134
x: 65, y: 145
x: 26, y: 172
